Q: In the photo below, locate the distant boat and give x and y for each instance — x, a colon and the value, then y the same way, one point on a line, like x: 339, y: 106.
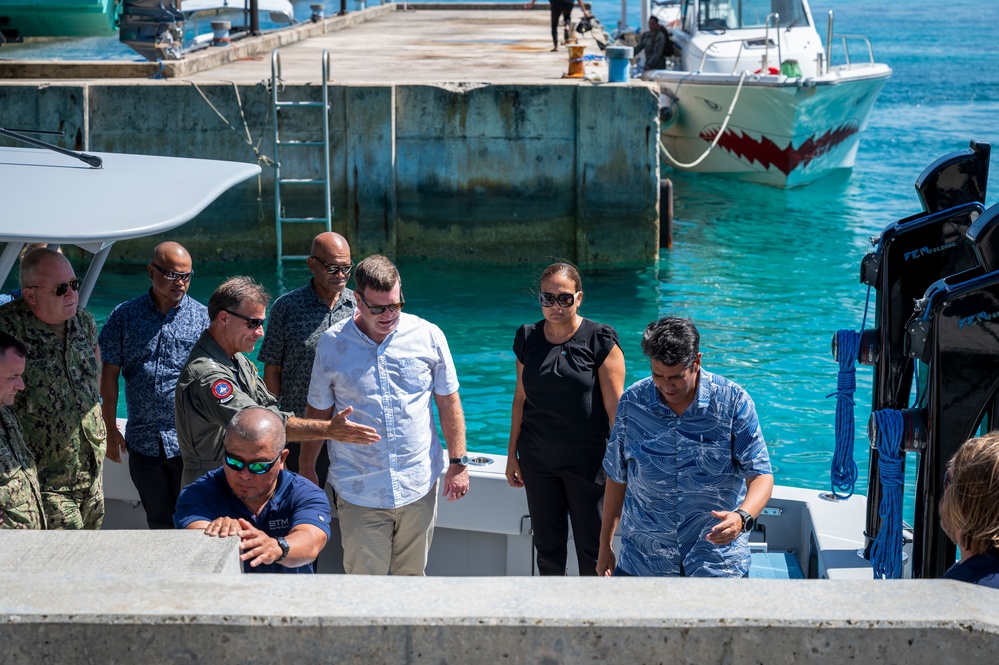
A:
x: 751, y: 93
x: 153, y: 28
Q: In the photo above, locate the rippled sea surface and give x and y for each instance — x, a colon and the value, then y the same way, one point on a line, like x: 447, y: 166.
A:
x: 767, y: 275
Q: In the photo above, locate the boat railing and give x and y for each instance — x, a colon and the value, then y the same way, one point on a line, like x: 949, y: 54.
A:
x: 846, y: 48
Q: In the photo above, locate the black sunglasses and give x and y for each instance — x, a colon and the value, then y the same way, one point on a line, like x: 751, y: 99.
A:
x: 563, y: 299
x: 171, y: 275
x: 252, y: 324
x: 394, y: 307
x: 61, y: 290
x: 333, y: 269
x: 256, y: 468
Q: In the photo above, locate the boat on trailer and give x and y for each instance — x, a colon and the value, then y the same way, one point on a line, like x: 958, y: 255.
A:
x: 750, y: 92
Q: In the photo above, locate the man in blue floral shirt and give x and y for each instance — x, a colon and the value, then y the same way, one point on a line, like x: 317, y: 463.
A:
x: 148, y: 340
x: 687, y: 469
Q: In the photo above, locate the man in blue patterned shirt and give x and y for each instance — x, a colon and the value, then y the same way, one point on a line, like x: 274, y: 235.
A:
x: 148, y: 340
x: 687, y: 468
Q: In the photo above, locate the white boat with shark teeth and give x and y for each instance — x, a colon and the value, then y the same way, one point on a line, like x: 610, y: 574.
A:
x: 751, y: 93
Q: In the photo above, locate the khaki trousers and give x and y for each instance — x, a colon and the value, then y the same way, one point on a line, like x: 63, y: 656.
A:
x: 384, y: 541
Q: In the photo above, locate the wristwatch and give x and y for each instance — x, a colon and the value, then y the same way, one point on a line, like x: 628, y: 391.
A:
x: 463, y: 460
x: 748, y: 521
x: 283, y: 544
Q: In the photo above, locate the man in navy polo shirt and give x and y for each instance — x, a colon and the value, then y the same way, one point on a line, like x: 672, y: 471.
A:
x: 282, y: 519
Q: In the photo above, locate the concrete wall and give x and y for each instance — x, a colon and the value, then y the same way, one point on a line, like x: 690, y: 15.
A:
x: 493, y: 172
x: 272, y: 619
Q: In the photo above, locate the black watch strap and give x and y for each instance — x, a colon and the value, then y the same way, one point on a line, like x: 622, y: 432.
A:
x: 748, y: 521
x: 285, y: 548
x: 463, y: 460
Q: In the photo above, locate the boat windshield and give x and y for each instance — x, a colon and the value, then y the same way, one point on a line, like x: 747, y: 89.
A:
x: 738, y: 14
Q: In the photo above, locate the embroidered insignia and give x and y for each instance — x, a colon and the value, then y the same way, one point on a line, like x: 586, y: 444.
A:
x: 222, y: 390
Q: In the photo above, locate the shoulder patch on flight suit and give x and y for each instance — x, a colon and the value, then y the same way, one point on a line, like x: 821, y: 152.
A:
x: 222, y: 390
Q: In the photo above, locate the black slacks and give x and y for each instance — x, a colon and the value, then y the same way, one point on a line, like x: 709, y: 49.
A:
x: 158, y: 482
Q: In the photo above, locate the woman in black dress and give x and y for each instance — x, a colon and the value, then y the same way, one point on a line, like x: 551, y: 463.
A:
x: 570, y: 375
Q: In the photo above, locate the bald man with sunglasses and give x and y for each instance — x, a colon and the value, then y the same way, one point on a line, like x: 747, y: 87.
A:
x: 218, y: 381
x: 281, y: 519
x: 59, y: 409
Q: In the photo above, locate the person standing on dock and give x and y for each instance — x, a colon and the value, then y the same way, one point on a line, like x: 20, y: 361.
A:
x: 281, y: 519
x: 20, y: 495
x: 60, y: 410
x: 687, y: 469
x: 218, y: 381
x: 561, y: 9
x: 570, y: 374
x: 297, y: 321
x: 148, y: 339
x: 386, y: 366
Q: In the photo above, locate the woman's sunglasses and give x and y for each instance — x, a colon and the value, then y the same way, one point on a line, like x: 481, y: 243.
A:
x: 256, y: 468
x: 563, y: 299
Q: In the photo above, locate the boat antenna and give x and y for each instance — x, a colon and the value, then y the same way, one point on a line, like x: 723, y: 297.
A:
x: 93, y: 160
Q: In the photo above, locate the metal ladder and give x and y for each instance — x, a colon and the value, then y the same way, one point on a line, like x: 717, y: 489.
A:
x: 280, y: 145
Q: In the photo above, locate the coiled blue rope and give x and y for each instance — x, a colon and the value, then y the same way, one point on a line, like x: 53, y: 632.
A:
x: 844, y: 468
x: 886, y: 551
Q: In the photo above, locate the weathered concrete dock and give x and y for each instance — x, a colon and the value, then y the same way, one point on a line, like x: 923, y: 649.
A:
x: 453, y: 135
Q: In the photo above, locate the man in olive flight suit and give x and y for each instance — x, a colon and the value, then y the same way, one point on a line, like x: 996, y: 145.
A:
x: 218, y: 381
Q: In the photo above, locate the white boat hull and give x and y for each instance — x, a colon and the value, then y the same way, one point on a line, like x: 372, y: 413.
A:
x: 783, y: 132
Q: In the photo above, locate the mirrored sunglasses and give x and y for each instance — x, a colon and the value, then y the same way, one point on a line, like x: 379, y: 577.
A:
x: 256, y: 468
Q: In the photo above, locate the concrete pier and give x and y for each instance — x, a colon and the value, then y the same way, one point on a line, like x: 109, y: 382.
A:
x: 268, y: 619
x: 453, y: 136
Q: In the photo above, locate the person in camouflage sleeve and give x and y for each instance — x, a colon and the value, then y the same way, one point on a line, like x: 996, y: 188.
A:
x: 60, y: 407
x: 20, y: 495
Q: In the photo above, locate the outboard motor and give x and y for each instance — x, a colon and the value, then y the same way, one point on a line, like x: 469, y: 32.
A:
x: 955, y: 331
x: 153, y: 28
x: 960, y: 177
x: 912, y: 254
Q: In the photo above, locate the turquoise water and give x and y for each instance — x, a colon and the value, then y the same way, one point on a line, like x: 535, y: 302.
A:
x: 767, y: 275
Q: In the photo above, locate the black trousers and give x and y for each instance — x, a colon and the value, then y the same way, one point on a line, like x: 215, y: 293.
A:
x: 322, y: 464
x: 158, y: 482
x: 552, y: 495
x: 564, y: 11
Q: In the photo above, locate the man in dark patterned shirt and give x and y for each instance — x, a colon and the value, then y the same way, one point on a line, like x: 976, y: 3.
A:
x: 60, y: 407
x: 148, y: 340
x: 297, y: 321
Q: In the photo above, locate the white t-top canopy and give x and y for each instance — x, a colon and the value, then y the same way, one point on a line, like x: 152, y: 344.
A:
x: 46, y: 197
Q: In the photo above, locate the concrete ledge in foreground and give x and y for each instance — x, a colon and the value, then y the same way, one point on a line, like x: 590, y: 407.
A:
x: 329, y: 618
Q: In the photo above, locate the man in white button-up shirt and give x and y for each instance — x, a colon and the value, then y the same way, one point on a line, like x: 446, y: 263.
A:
x: 385, y: 366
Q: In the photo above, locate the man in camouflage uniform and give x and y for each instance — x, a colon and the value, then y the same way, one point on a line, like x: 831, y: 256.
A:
x: 218, y: 382
x: 297, y: 321
x: 60, y: 407
x: 20, y: 495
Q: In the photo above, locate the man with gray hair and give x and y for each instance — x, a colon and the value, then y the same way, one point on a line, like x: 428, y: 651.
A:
x: 281, y: 519
x: 687, y: 468
x: 390, y: 369
x: 59, y: 409
x: 218, y: 382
